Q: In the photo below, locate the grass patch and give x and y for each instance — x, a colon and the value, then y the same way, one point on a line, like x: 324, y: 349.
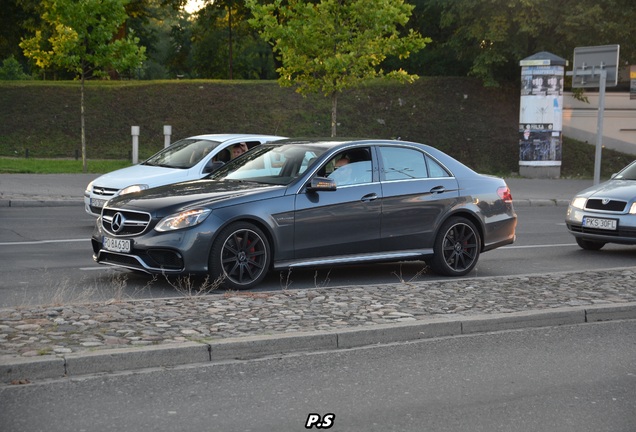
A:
x: 57, y: 166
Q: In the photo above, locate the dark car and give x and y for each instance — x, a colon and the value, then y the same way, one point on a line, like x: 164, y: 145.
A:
x: 605, y: 213
x: 311, y: 203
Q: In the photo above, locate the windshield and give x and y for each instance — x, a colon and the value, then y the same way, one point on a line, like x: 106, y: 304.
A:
x: 182, y: 154
x: 629, y: 173
x: 273, y: 164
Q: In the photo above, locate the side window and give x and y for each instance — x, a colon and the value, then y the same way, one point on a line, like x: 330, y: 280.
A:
x: 402, y: 164
x: 222, y: 156
x: 435, y: 169
x: 350, y: 167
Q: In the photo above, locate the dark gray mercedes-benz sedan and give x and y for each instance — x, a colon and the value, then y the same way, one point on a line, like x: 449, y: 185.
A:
x: 311, y: 203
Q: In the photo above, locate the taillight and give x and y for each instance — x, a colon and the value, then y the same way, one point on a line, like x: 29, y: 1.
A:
x: 504, y: 193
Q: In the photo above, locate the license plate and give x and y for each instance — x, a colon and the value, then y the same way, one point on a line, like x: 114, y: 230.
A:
x: 99, y: 203
x: 116, y: 245
x: 604, y: 224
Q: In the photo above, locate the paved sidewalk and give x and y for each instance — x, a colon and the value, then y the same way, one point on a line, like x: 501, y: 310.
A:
x: 56, y: 341
x: 61, y: 341
x: 18, y: 190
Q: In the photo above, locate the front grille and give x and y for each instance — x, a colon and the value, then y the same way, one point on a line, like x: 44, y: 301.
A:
x: 620, y: 232
x: 124, y: 222
x: 165, y: 258
x: 152, y: 261
x: 611, y: 206
x: 105, y: 192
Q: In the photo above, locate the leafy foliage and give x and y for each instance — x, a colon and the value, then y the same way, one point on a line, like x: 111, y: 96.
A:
x: 493, y: 35
x: 82, y: 38
x: 12, y: 70
x: 226, y: 46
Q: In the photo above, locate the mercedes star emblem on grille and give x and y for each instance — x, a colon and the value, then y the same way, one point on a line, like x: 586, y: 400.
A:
x: 118, y: 222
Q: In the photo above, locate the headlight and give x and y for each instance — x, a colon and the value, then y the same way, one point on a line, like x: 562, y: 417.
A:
x: 578, y: 202
x: 132, y: 188
x: 632, y: 209
x: 89, y: 188
x: 182, y: 220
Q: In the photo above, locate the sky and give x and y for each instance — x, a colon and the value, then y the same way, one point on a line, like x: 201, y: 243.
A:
x: 193, y: 5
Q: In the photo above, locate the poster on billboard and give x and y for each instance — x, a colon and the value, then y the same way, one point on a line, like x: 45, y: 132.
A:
x: 541, y: 115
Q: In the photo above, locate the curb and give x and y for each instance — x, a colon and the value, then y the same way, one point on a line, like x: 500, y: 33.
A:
x: 170, y: 355
x: 536, y: 202
x: 39, y: 203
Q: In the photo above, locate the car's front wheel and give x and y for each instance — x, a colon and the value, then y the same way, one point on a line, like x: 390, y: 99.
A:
x: 240, y: 256
x: 589, y: 244
x: 456, y: 248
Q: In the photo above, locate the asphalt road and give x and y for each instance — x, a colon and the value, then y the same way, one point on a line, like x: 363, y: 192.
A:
x: 569, y: 378
x: 45, y: 258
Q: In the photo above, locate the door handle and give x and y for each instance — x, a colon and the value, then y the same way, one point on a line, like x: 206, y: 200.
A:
x: 370, y: 197
x: 438, y: 190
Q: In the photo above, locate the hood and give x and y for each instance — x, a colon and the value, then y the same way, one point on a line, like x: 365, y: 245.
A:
x: 624, y: 190
x: 141, y: 174
x: 164, y: 200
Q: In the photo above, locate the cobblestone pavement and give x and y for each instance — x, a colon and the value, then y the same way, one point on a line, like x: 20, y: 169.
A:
x: 77, y: 328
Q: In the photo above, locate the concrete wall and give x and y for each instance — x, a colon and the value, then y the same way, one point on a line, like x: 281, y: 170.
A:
x: 619, y: 124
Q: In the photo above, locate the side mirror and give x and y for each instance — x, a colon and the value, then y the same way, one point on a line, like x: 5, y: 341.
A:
x: 318, y: 184
x: 211, y: 167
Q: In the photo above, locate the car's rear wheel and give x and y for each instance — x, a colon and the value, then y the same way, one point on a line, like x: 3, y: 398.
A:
x: 456, y: 248
x: 240, y: 256
x: 589, y: 244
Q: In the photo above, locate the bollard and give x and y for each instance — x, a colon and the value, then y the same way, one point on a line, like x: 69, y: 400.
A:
x: 167, y: 132
x: 134, y: 130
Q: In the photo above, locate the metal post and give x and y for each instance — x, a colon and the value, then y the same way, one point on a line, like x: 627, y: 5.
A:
x: 134, y: 130
x: 599, y: 127
x: 167, y: 132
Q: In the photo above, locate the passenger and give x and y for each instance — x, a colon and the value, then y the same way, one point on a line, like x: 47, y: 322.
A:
x: 238, y: 149
x: 344, y: 160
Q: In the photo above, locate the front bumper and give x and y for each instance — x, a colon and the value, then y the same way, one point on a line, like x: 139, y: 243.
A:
x: 182, y: 251
x: 624, y: 234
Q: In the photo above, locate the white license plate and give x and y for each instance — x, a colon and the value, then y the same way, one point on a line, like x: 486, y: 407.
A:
x: 116, y: 245
x: 604, y: 224
x: 99, y: 203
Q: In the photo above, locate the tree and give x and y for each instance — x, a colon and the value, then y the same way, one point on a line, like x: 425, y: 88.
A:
x: 331, y: 45
x: 493, y: 35
x: 12, y: 70
x: 225, y: 46
x: 86, y: 38
x: 17, y: 17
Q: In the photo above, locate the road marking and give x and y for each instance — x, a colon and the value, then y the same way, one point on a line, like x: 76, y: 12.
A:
x: 35, y: 242
x: 538, y: 246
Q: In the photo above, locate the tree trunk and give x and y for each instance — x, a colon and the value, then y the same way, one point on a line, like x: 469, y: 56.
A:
x: 334, y: 110
x: 229, y: 8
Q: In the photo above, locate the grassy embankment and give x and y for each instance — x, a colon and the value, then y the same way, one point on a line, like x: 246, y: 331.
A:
x: 474, y: 124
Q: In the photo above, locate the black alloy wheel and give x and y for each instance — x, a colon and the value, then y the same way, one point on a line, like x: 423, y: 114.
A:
x: 456, y: 248
x: 240, y: 256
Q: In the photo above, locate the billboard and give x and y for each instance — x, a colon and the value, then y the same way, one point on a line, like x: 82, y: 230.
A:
x: 541, y: 115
